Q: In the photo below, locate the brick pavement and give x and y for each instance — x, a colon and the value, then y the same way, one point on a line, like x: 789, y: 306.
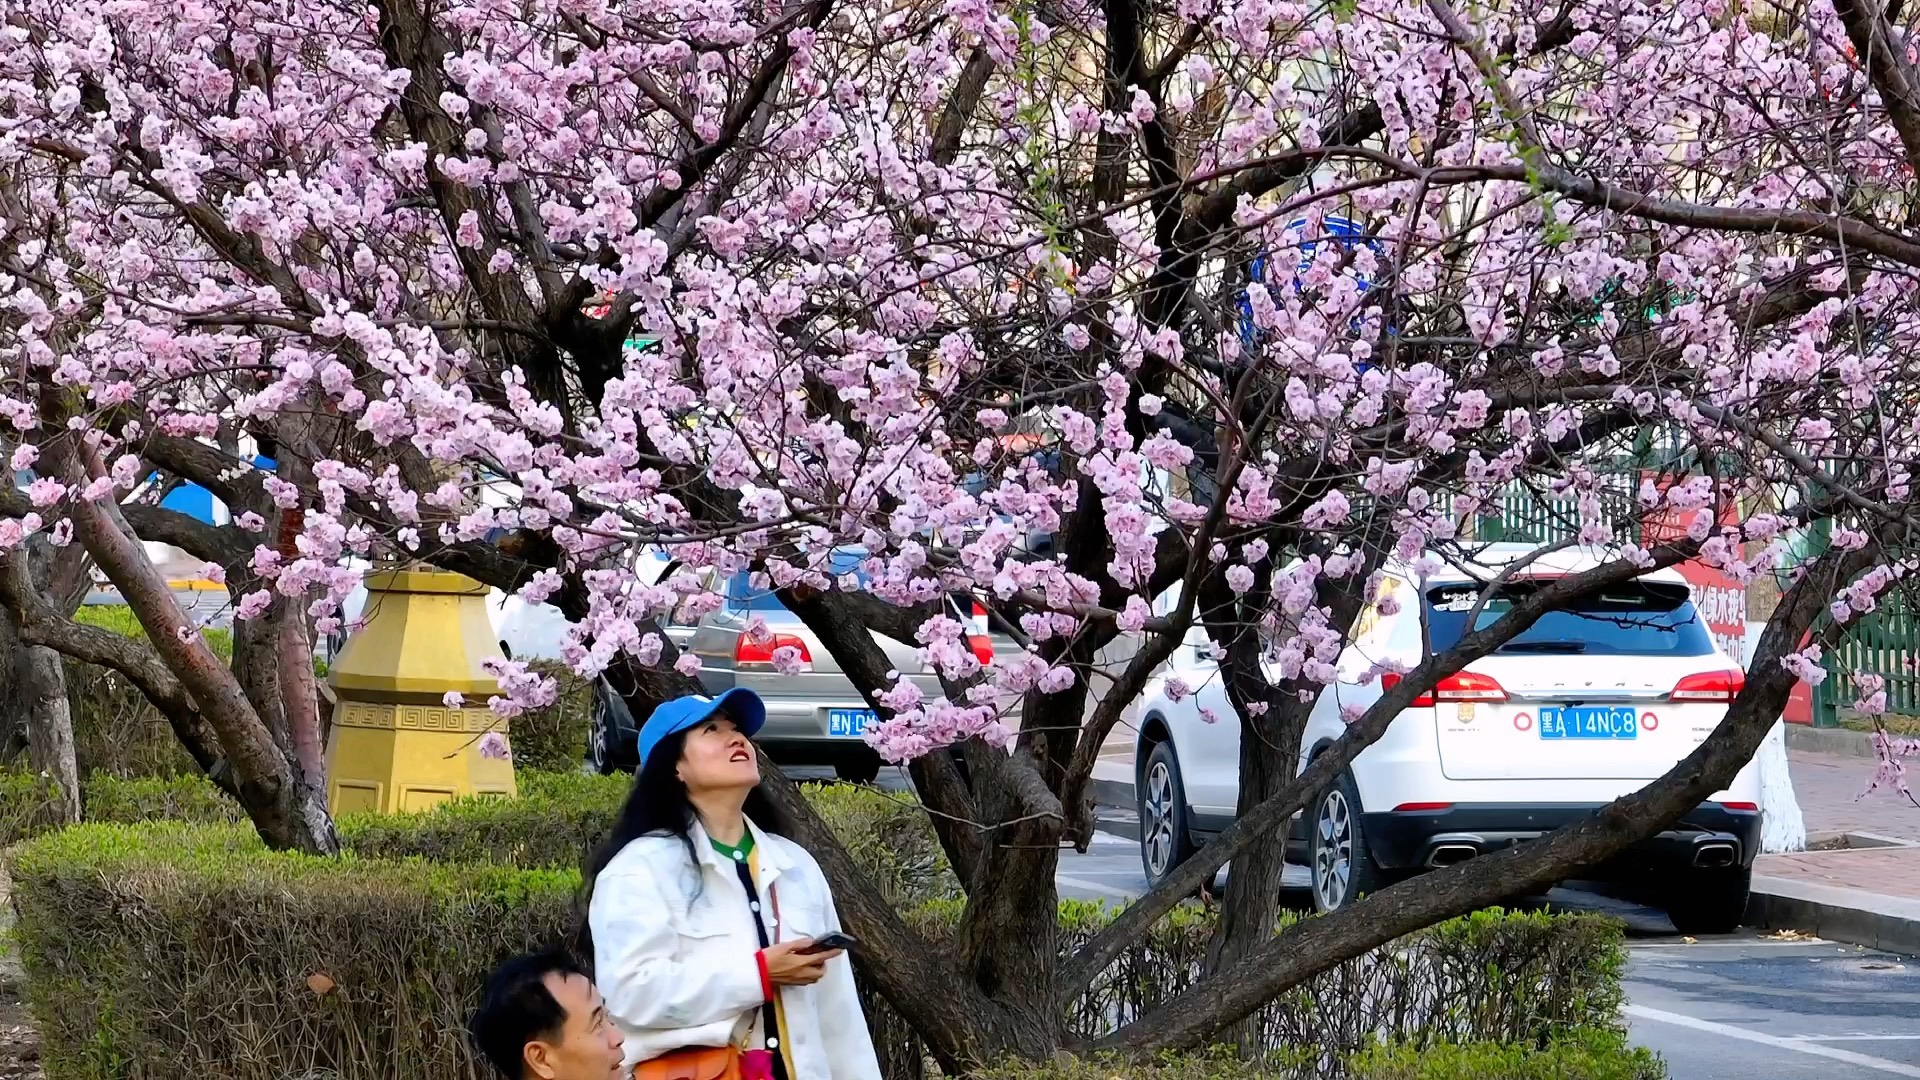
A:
x: 1829, y: 788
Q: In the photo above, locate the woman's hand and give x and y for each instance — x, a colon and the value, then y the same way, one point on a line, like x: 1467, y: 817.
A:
x: 788, y: 964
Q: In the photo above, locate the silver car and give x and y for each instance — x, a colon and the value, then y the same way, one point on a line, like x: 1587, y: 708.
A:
x: 814, y: 716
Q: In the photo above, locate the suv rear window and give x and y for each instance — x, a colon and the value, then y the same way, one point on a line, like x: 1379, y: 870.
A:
x: 1643, y: 618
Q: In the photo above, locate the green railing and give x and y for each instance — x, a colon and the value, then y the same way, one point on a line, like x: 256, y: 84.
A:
x: 1884, y: 643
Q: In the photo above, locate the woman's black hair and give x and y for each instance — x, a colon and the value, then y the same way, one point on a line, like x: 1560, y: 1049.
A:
x: 657, y: 805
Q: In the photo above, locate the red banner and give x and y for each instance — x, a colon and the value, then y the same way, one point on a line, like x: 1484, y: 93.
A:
x: 1721, y: 599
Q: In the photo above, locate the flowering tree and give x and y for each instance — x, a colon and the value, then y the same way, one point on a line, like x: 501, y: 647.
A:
x: 1283, y: 291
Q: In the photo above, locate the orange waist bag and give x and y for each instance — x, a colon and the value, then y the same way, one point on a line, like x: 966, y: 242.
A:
x: 707, y: 1063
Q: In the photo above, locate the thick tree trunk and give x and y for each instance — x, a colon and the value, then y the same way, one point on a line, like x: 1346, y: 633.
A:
x: 43, y: 685
x: 287, y: 812
x: 13, y: 703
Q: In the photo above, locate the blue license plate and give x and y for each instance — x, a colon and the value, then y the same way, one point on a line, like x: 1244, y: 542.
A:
x: 848, y: 723
x: 1589, y: 722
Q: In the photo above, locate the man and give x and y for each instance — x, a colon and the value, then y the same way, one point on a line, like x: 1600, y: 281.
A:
x: 540, y: 1018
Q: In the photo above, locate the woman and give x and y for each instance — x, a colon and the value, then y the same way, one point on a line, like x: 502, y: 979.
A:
x: 701, y: 917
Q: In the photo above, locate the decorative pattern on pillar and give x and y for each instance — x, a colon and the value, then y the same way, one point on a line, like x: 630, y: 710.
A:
x: 396, y: 745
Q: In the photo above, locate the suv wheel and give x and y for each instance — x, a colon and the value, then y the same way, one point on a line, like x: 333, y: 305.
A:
x: 1342, y: 864
x: 599, y: 739
x: 1165, y: 839
x: 1709, y: 901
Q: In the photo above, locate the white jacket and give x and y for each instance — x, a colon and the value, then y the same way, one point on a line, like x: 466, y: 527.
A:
x: 674, y: 953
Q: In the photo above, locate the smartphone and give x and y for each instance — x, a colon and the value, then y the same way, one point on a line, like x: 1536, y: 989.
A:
x: 827, y: 942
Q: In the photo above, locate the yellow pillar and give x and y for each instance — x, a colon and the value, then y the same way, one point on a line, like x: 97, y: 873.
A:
x: 395, y: 744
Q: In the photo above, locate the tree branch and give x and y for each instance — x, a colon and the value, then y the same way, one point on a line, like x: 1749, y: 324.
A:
x: 1107, y: 945
x: 1885, y: 59
x: 1235, y: 992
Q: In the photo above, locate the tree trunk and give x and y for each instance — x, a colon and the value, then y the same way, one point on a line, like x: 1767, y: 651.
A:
x: 14, y: 714
x: 287, y: 812
x: 43, y: 685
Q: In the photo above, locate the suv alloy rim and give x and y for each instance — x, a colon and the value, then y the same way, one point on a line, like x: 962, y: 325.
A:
x: 1159, y: 818
x: 597, y: 740
x: 1333, y: 850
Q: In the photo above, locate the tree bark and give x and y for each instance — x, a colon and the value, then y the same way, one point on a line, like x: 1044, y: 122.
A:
x: 288, y: 813
x: 42, y: 681
x: 1285, y: 960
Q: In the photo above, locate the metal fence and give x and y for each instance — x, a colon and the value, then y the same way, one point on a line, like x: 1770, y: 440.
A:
x: 1885, y: 643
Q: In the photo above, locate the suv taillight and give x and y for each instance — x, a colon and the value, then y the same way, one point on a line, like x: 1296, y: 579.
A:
x: 1709, y: 686
x: 982, y: 647
x: 1459, y: 686
x: 750, y: 653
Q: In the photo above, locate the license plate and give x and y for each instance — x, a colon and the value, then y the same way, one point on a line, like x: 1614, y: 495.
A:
x: 1589, y: 722
x: 848, y: 723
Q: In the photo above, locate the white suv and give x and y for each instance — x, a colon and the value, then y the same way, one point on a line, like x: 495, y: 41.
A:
x: 1589, y: 704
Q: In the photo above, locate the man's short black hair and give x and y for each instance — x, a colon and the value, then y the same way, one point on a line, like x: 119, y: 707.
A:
x: 516, y: 1008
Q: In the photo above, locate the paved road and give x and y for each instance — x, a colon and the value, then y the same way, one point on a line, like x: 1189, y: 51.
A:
x: 1739, y: 1007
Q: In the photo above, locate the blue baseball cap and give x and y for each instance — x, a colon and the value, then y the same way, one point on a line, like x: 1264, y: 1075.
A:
x: 741, y: 705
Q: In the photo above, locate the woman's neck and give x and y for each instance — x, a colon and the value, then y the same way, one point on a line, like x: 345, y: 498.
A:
x: 722, y: 814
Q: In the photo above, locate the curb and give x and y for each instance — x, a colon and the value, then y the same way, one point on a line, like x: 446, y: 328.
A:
x: 1853, y: 916
x: 1840, y: 741
x: 1117, y: 794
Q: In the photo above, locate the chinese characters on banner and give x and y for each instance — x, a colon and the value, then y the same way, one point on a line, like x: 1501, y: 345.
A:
x: 1721, y: 599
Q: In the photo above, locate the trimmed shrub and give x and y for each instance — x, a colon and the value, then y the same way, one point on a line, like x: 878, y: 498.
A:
x: 1498, y: 976
x: 561, y: 817
x: 556, y: 822
x: 166, y: 950
x: 170, y: 951
x: 25, y: 802
x: 1590, y: 1054
x: 1593, y: 1054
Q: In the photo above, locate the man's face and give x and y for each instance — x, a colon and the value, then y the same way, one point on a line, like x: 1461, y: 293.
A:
x: 587, y: 1046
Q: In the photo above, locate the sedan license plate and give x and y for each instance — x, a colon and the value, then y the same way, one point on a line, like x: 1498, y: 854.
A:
x: 848, y: 723
x: 1589, y: 722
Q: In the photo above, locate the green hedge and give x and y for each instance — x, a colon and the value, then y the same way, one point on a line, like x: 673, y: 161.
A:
x: 26, y: 802
x: 561, y: 817
x: 167, y: 950
x: 172, y: 951
x: 1499, y: 976
x: 1593, y: 1054
x: 117, y: 731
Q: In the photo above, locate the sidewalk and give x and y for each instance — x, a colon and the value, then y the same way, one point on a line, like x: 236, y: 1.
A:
x: 1861, y: 881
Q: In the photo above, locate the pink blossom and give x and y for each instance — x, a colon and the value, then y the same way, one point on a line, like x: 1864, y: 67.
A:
x: 1056, y: 680
x: 1239, y: 578
x: 493, y: 745
x: 254, y: 604
x: 453, y: 699
x: 45, y: 491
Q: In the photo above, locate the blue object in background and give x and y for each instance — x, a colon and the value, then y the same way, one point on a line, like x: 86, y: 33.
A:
x: 197, y: 502
x: 1342, y: 230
